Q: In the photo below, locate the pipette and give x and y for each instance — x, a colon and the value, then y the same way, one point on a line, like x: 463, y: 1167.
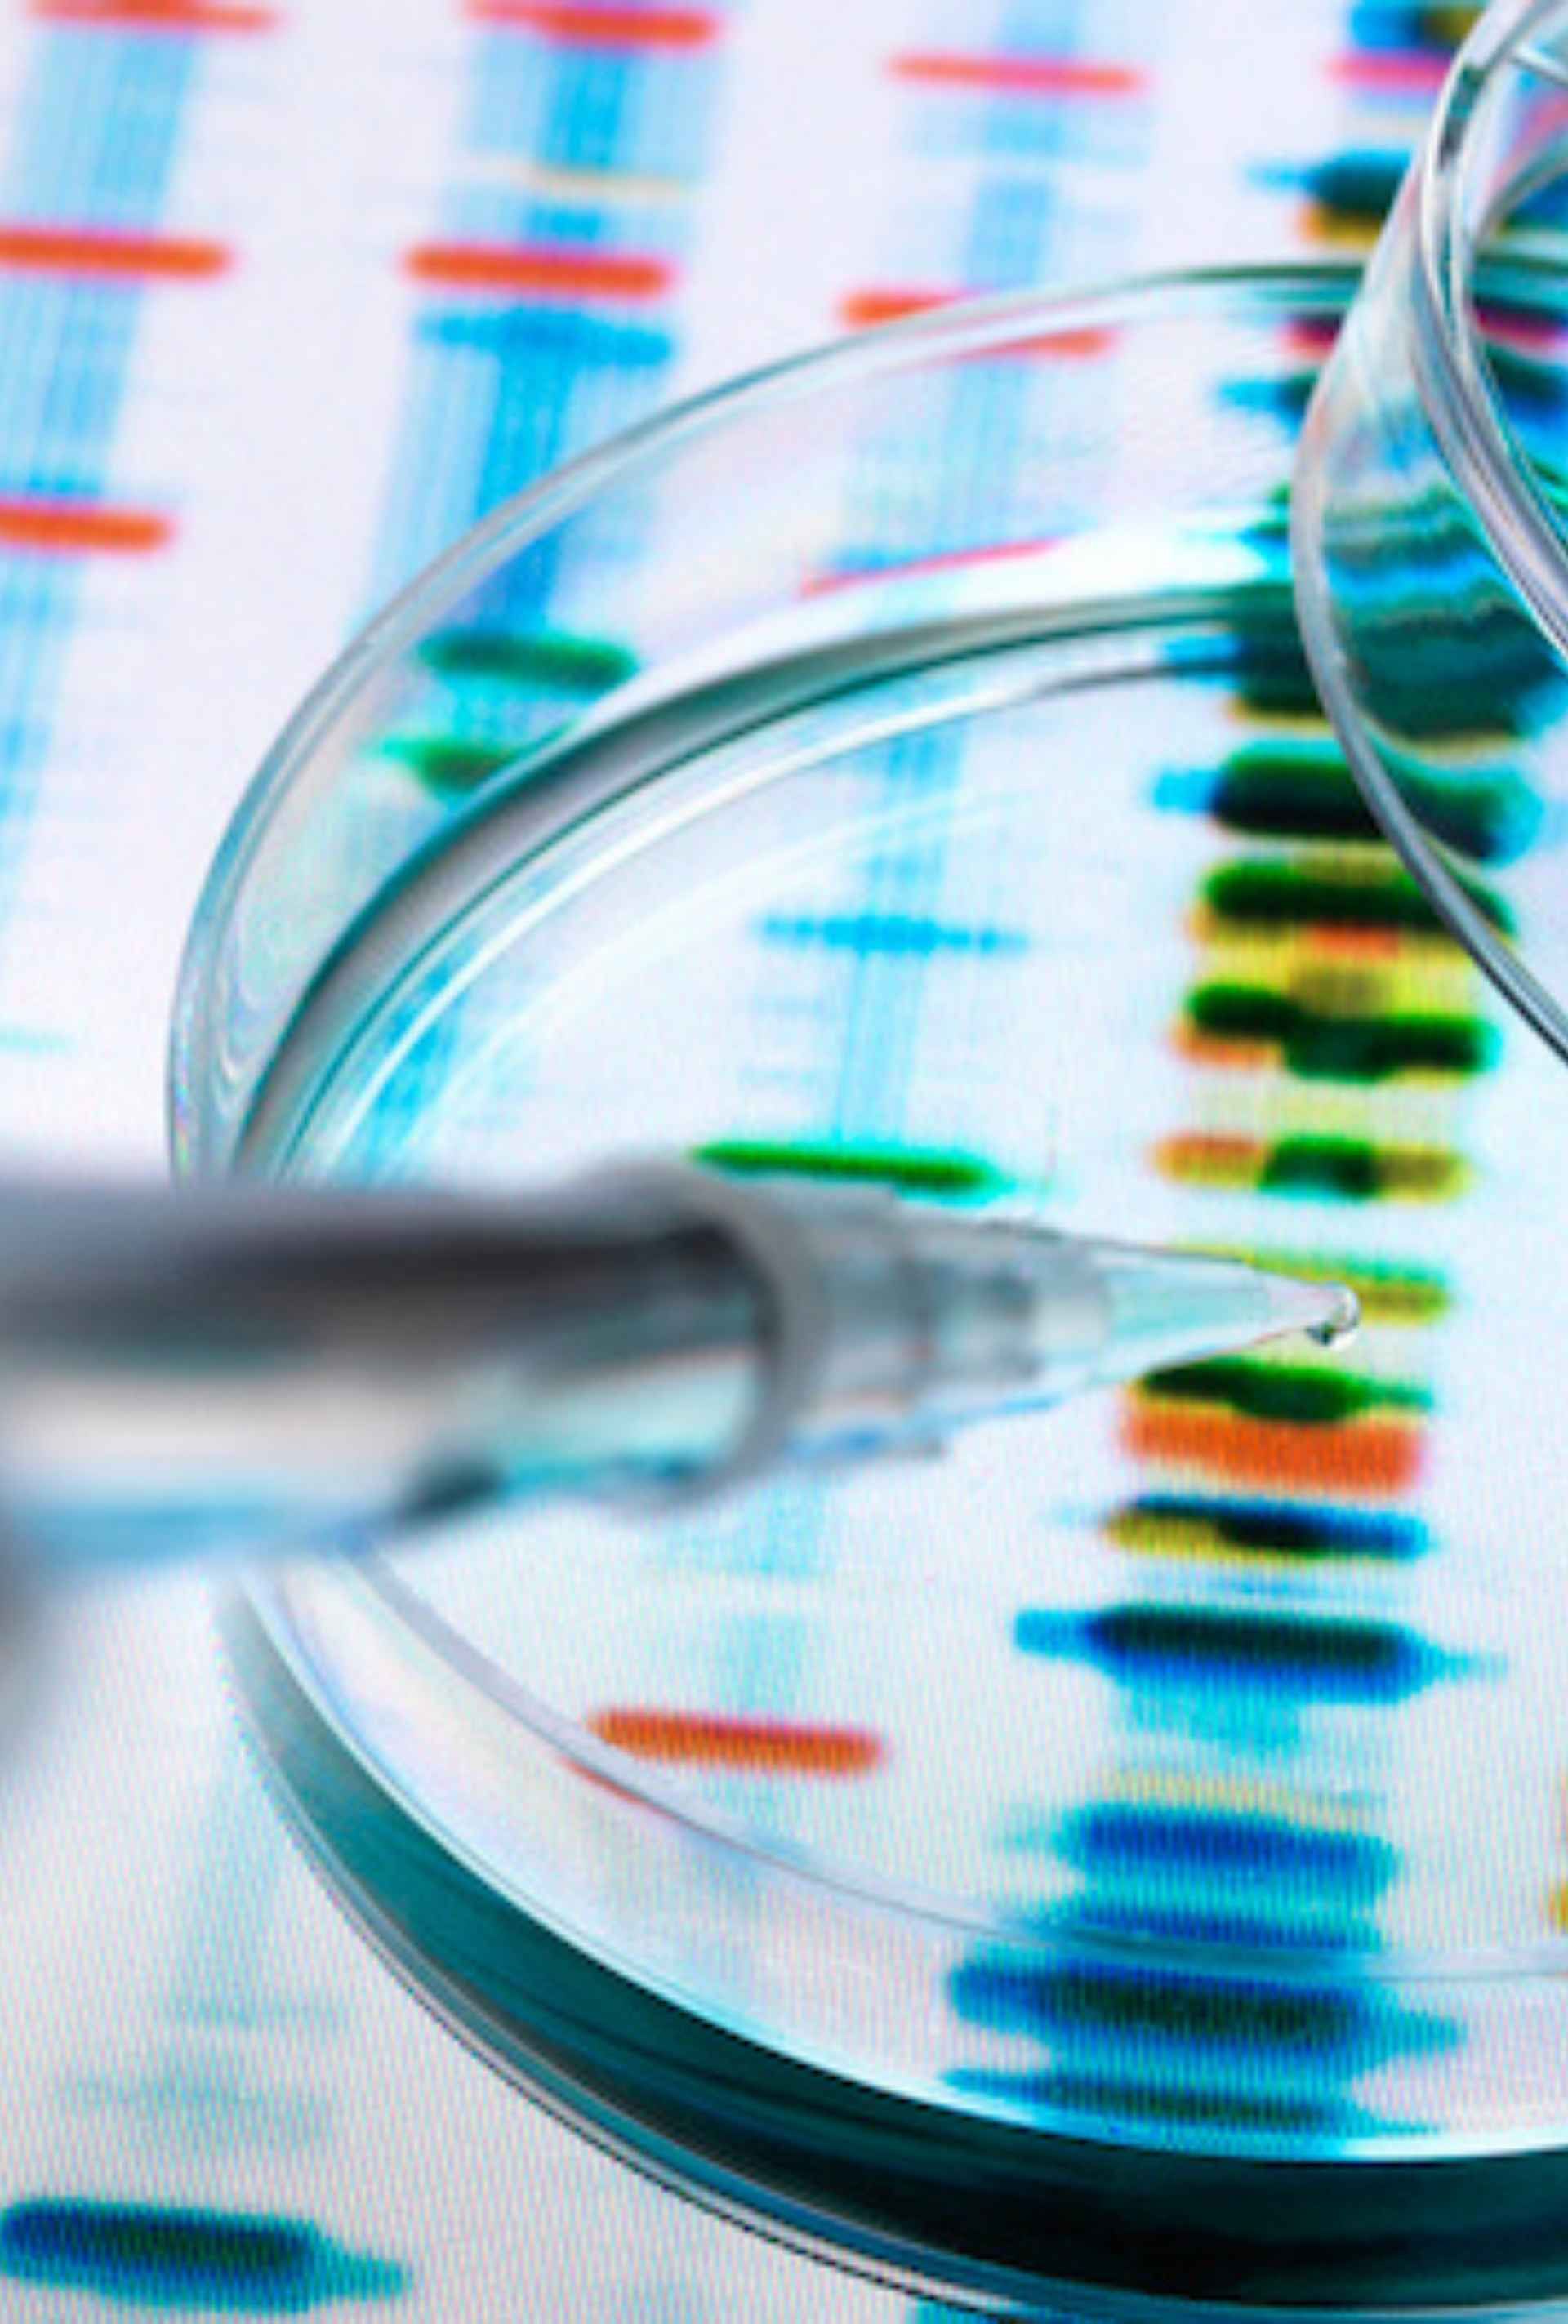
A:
x: 264, y: 1363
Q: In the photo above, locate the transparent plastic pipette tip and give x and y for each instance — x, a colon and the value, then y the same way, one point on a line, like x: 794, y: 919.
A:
x: 1170, y: 1308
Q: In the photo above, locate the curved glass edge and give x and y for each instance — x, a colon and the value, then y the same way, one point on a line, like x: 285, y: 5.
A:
x: 506, y: 1803
x: 1019, y: 2217
x: 1431, y: 563
x: 1395, y: 590
x: 208, y: 1089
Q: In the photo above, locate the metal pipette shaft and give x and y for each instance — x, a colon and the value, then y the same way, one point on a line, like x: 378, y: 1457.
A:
x: 267, y: 1362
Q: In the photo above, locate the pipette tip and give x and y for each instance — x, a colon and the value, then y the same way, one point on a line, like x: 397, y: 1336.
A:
x: 978, y: 1316
x: 1175, y: 1307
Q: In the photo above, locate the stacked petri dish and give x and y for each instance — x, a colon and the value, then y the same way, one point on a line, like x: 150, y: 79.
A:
x: 1430, y: 520
x: 1117, y: 1862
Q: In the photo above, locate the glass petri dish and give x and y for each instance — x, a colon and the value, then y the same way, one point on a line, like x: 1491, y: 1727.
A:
x: 1120, y: 1861
x: 1431, y: 513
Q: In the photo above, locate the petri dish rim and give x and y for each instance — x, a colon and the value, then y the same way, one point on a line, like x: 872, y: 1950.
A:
x: 1408, y: 1966
x: 968, y: 326
x: 1490, y: 471
x: 1182, y: 2190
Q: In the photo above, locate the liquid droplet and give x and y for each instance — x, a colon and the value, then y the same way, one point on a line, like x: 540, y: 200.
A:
x: 1342, y: 1319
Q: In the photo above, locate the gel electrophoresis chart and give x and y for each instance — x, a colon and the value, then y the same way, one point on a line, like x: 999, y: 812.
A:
x: 290, y: 296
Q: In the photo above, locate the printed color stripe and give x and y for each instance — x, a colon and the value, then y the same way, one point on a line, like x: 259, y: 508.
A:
x: 557, y: 270
x: 763, y: 1747
x: 607, y: 27
x: 104, y: 251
